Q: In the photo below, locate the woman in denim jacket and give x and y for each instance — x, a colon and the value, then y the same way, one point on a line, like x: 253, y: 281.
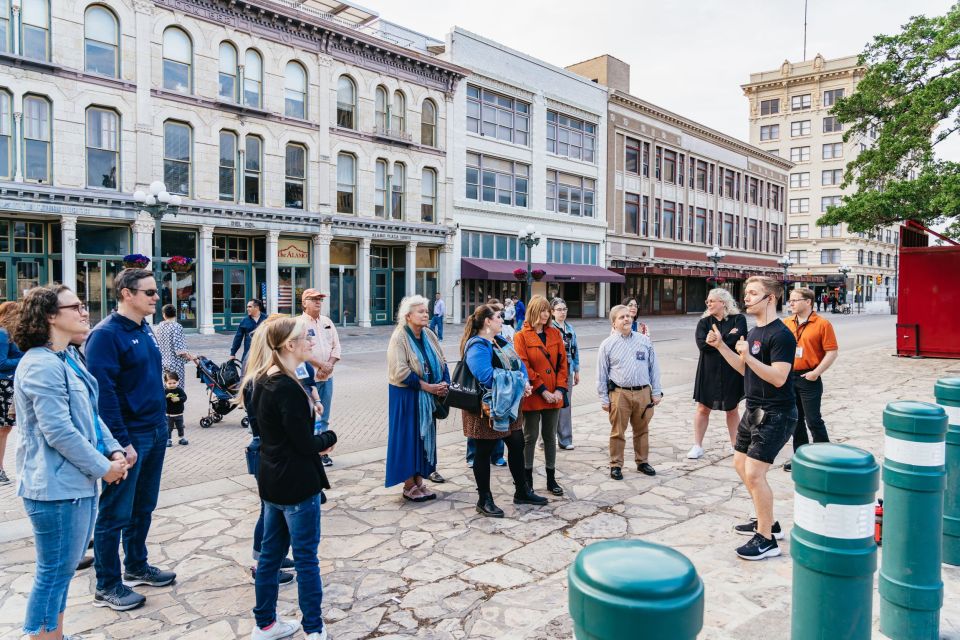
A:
x: 63, y: 449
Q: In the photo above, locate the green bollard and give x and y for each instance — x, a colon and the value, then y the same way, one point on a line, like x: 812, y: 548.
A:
x: 834, y: 554
x: 911, y: 591
x: 947, y: 393
x: 629, y: 588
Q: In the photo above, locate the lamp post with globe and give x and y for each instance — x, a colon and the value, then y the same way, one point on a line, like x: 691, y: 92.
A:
x: 716, y: 255
x: 157, y: 202
x: 529, y: 237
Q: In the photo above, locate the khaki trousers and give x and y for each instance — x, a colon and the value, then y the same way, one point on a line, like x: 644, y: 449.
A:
x: 627, y: 407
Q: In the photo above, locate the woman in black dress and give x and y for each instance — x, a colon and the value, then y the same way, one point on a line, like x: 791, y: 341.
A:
x: 717, y: 387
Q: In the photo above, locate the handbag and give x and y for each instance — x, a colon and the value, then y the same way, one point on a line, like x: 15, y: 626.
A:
x: 253, y: 455
x: 464, y: 391
x: 440, y: 408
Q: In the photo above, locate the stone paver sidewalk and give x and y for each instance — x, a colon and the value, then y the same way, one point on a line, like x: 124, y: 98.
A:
x: 438, y: 570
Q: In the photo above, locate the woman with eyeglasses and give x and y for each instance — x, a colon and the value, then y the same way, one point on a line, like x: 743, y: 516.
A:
x: 565, y: 425
x: 255, y: 317
x: 717, y: 386
x: 64, y: 449
x: 635, y: 325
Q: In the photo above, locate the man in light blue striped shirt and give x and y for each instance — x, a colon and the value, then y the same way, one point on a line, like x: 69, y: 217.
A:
x: 628, y: 383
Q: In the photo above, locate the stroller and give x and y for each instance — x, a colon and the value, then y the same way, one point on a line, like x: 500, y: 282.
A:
x: 223, y: 383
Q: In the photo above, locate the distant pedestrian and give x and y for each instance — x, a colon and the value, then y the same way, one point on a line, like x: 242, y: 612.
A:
x: 765, y: 359
x: 173, y: 348
x: 565, y: 425
x: 324, y: 356
x: 485, y: 353
x: 817, y: 298
x: 628, y: 384
x: 437, y: 314
x: 9, y: 359
x: 176, y: 399
x: 56, y: 402
x: 540, y: 346
x: 519, y: 313
x: 290, y: 479
x: 817, y: 350
x: 509, y: 313
x: 634, y: 308
x: 123, y: 355
x: 717, y: 387
x: 418, y: 377
x: 255, y: 317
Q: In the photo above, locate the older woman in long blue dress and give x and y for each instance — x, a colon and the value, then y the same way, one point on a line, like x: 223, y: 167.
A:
x: 418, y: 374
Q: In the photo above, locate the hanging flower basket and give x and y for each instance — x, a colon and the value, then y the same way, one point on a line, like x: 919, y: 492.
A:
x: 180, y: 264
x: 538, y: 274
x: 713, y: 280
x: 135, y: 261
x: 520, y: 274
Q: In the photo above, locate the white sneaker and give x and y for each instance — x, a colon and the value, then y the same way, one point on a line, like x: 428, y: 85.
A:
x: 280, y: 629
x: 696, y: 451
x: 318, y: 635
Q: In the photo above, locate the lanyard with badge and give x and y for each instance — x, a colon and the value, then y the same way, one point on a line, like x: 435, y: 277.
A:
x: 801, y: 327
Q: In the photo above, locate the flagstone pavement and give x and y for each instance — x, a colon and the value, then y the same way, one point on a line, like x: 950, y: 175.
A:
x: 438, y: 570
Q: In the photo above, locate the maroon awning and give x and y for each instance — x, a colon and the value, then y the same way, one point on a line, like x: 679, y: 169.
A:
x: 486, y: 269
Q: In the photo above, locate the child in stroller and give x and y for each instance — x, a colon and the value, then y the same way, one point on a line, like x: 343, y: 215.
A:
x: 223, y: 383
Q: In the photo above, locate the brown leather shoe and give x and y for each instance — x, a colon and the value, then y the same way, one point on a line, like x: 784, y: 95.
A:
x: 84, y: 563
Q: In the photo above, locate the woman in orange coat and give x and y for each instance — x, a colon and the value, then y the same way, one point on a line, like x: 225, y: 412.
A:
x: 540, y: 346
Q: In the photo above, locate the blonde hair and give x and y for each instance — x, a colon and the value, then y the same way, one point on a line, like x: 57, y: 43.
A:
x: 730, y: 307
x: 265, y: 347
x: 537, y: 305
x: 617, y: 310
x: 769, y: 285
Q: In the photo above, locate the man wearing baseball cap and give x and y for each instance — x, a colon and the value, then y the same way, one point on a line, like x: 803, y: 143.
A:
x: 326, y: 354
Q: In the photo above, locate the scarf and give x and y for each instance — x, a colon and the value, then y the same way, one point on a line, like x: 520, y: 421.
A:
x: 432, y: 373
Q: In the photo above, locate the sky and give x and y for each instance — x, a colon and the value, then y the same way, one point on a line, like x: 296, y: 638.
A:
x: 689, y: 57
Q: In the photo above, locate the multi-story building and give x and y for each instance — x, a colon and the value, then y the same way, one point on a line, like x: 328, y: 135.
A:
x: 528, y: 147
x: 308, y: 147
x: 675, y: 190
x: 790, y: 117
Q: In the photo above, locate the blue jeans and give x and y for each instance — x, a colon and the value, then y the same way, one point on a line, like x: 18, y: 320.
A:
x: 61, y: 530
x: 296, y: 525
x: 325, y: 389
x: 126, y: 510
x: 472, y: 451
x: 436, y: 325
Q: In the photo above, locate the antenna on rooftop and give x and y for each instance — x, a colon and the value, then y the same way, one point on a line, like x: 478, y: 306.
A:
x: 805, y: 2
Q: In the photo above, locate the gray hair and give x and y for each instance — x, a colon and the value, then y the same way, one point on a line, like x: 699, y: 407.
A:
x: 730, y: 307
x: 129, y: 279
x: 407, y: 305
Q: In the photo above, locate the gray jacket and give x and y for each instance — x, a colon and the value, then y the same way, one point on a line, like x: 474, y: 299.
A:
x: 57, y: 457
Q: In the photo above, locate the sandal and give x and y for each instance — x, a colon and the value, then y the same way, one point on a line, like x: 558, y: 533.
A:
x: 425, y: 492
x: 413, y: 494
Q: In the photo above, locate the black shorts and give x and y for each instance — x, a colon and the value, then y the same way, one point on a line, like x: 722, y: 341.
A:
x: 764, y: 441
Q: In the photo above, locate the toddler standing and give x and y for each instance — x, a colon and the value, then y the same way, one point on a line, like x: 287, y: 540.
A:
x: 176, y: 398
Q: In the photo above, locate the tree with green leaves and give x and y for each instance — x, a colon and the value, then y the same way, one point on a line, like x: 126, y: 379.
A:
x: 909, y: 96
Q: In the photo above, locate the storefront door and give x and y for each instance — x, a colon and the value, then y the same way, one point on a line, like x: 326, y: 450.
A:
x: 19, y: 275
x: 179, y: 289
x: 387, y: 283
x: 95, y: 286
x: 292, y: 282
x: 343, y: 295
x: 230, y: 295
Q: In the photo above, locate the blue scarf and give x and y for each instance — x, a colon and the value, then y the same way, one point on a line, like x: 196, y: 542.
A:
x: 432, y: 373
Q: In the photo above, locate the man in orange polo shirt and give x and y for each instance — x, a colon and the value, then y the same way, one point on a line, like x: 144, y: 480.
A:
x: 816, y: 352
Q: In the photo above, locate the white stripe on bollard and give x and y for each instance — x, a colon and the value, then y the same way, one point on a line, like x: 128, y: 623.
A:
x: 918, y: 454
x: 953, y: 415
x: 844, y: 521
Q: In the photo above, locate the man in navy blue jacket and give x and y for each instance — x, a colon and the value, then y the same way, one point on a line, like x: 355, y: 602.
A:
x: 124, y: 356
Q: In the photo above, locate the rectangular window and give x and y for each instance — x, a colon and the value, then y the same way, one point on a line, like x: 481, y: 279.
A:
x: 491, y: 179
x: 829, y: 201
x: 680, y: 171
x: 380, y: 190
x: 710, y: 227
x: 831, y: 125
x: 632, y: 160
x: 296, y: 176
x: 228, y: 166
x: 645, y: 216
x: 701, y: 175
x: 710, y: 177
x: 492, y: 246
x: 799, y: 231
x: 35, y: 29
x: 701, y: 228
x: 428, y: 196
x: 570, y: 194
x: 769, y: 107
x: 498, y: 116
x: 177, y: 155
x: 103, y: 148
x: 832, y: 231
x: 833, y: 150
x: 631, y: 213
x: 830, y: 256
x: 754, y: 191
x: 798, y: 257
x: 646, y: 159
x: 252, y: 163
x: 656, y: 217
x: 729, y: 179
x: 799, y: 180
x: 831, y: 96
x: 769, y: 132
x: 669, y: 166
x: 753, y: 235
x: 799, y: 205
x: 657, y: 163
x: 799, y: 154
x: 6, y: 119
x: 398, y: 189
x: 800, y: 128
x: 831, y: 177
x: 728, y: 229
x: 568, y: 252
x: 347, y: 182
x: 36, y: 139
x: 799, y: 103
x: 571, y: 137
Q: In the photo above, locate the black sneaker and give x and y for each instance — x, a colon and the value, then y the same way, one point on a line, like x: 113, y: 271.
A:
x: 285, y: 576
x: 287, y: 563
x: 616, y: 473
x: 759, y: 548
x: 184, y: 441
x: 646, y: 469
x: 788, y: 467
x: 120, y: 598
x: 150, y: 576
x: 169, y: 443
x: 3, y: 477
x: 750, y: 528
x: 326, y: 460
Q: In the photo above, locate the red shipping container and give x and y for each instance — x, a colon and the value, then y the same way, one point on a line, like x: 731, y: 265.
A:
x: 928, y: 322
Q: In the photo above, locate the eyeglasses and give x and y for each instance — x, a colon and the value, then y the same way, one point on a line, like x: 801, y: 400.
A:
x: 792, y: 300
x: 559, y: 308
x: 79, y: 306
x: 147, y: 292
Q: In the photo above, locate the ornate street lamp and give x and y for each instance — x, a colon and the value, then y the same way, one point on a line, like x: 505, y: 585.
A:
x: 157, y: 203
x: 716, y: 255
x: 785, y: 263
x: 529, y: 238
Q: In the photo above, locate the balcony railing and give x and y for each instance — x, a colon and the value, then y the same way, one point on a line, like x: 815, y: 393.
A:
x: 392, y: 134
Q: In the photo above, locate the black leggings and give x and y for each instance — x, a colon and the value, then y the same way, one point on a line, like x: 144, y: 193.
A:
x: 481, y: 461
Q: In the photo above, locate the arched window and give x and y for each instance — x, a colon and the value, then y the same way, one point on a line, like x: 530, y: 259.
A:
x: 101, y: 42
x: 252, y: 79
x: 252, y: 170
x: 428, y: 196
x: 380, y: 191
x: 228, y: 72
x: 294, y: 188
x: 177, y: 156
x: 346, y: 103
x: 860, y: 256
x: 35, y: 29
x: 398, y: 190
x: 177, y: 61
x: 346, y: 183
x: 36, y: 139
x: 295, y: 90
x: 428, y: 124
x: 6, y: 137
x: 103, y: 148
x: 228, y: 166
x: 398, y: 117
x: 380, y: 105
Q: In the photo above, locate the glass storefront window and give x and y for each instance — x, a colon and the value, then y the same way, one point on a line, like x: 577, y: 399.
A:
x: 174, y: 242
x: 259, y: 249
x: 4, y: 237
x: 292, y: 282
x: 427, y: 258
x: 180, y: 289
x: 343, y: 253
x: 102, y: 240
x: 28, y: 237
